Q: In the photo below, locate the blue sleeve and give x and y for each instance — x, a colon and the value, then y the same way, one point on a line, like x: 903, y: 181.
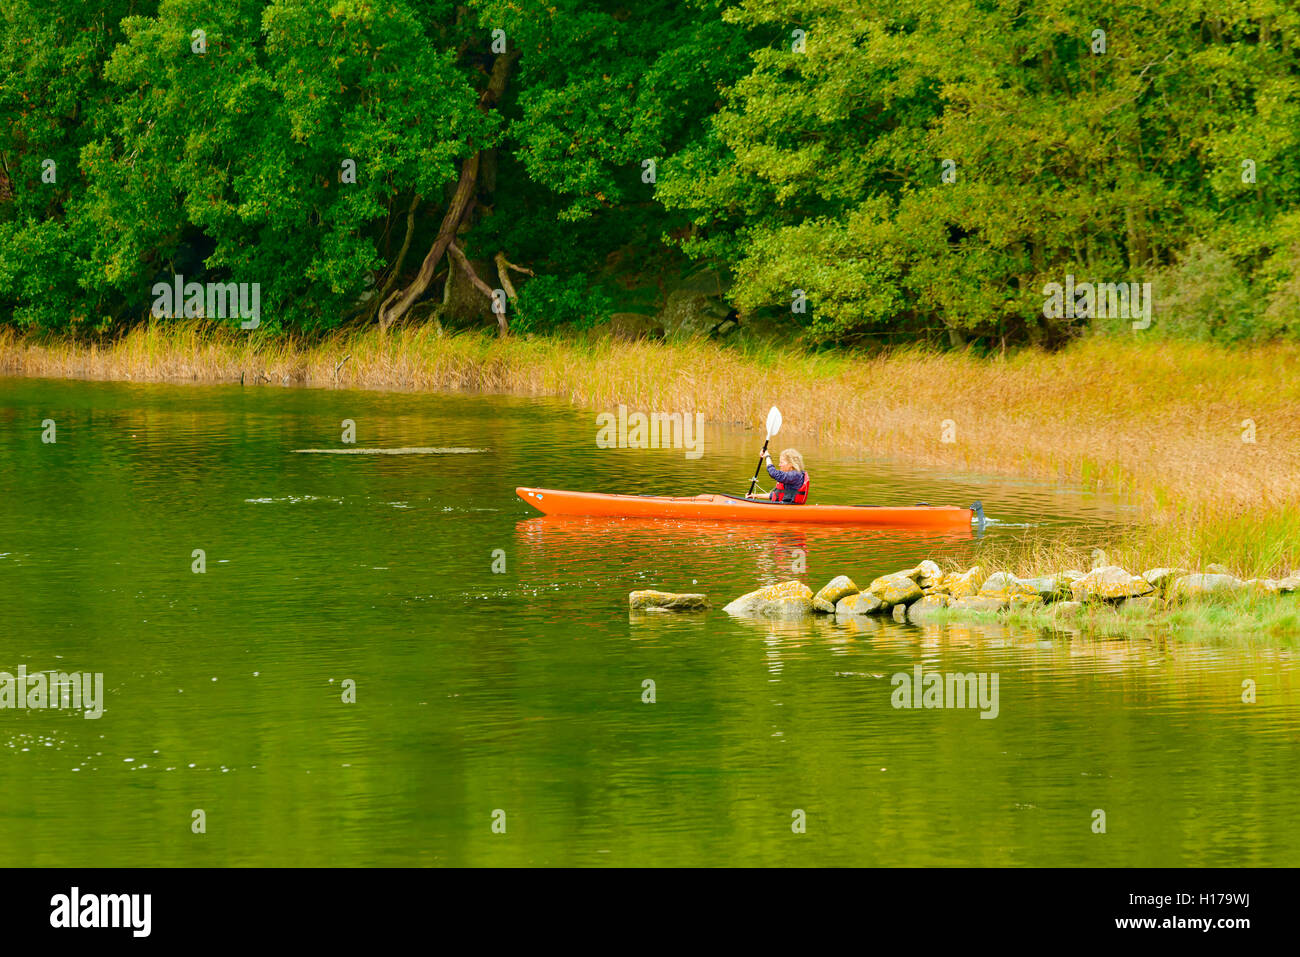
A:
x: 788, y: 479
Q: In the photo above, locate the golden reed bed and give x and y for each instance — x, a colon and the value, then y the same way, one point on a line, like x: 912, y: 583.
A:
x: 1206, y: 439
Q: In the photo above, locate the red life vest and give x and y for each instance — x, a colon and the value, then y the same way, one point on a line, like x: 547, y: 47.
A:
x: 790, y: 496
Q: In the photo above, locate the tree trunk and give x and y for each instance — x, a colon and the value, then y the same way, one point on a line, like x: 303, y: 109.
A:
x: 401, y: 300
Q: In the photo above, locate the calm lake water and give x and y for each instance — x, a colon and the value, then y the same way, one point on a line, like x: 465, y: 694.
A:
x: 521, y: 691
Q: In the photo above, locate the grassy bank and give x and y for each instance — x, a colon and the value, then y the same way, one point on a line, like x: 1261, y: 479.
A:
x: 1242, y: 619
x: 1204, y: 438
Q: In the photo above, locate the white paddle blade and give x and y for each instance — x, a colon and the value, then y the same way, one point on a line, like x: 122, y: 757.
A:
x: 773, y: 421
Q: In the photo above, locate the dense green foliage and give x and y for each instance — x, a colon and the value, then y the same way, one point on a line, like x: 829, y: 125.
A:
x: 914, y: 169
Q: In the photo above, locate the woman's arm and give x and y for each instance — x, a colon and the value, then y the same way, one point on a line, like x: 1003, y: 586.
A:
x: 788, y: 479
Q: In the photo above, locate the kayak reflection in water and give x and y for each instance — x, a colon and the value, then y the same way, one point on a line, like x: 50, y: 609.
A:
x: 792, y: 481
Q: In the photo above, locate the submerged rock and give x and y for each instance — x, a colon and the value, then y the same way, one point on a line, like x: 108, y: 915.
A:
x: 1109, y: 583
x: 896, y: 589
x: 1199, y: 585
x: 791, y: 599
x: 861, y: 603
x: 667, y: 601
x: 841, y: 586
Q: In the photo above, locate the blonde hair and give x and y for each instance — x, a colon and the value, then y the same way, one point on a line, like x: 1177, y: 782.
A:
x: 794, y: 458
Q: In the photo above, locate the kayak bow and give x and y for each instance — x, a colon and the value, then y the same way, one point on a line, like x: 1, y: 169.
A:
x: 733, y: 508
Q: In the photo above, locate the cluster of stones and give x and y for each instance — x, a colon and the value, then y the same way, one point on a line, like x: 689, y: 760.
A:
x: 917, y: 593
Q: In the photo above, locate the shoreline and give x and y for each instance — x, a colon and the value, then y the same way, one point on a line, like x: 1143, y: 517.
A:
x: 1108, y: 601
x: 1202, y: 439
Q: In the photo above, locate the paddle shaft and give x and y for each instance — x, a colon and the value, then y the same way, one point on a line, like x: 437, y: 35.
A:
x: 758, y: 468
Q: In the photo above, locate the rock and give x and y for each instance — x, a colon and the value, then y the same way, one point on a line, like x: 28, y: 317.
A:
x: 692, y: 313
x: 1263, y: 586
x: 975, y: 603
x: 667, y: 601
x: 790, y: 599
x: 1063, y: 608
x: 634, y: 325
x: 1144, y: 606
x: 931, y: 575
x: 861, y: 603
x: 1202, y: 586
x: 1162, y: 578
x: 965, y: 585
x: 1217, y: 569
x: 1291, y: 583
x: 841, y: 586
x: 900, y: 613
x: 1109, y: 583
x: 897, y: 589
x: 1047, y: 587
x: 926, y: 608
x: 1004, y: 585
x: 1021, y: 602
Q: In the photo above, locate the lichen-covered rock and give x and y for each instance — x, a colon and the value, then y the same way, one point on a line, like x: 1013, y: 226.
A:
x: 900, y: 613
x: 931, y: 575
x: 860, y: 603
x: 926, y: 608
x: 1162, y: 578
x: 896, y: 589
x: 1109, y: 583
x: 1004, y: 585
x: 976, y: 603
x: 1048, y: 587
x: 841, y: 586
x: 1022, y: 602
x: 1067, y: 608
x: 965, y: 585
x: 791, y: 599
x: 650, y: 600
x: 1199, y: 585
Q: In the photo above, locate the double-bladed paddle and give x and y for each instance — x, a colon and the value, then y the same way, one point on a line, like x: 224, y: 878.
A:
x: 773, y: 427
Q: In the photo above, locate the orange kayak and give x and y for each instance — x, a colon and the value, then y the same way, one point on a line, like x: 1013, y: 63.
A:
x: 733, y: 508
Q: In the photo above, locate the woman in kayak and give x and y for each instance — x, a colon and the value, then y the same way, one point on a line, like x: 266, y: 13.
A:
x: 791, y: 478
